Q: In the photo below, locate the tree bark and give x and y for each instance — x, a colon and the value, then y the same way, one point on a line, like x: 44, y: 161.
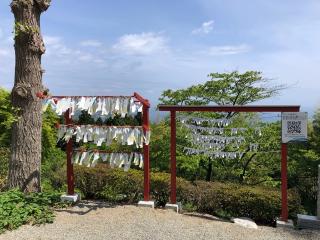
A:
x: 25, y: 161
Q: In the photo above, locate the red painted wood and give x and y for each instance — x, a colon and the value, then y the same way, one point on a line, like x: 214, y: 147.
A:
x: 100, y: 126
x: 284, y: 183
x: 58, y: 97
x: 141, y: 99
x: 173, y: 193
x: 146, y: 150
x: 284, y: 147
x: 244, y: 108
x: 70, y: 175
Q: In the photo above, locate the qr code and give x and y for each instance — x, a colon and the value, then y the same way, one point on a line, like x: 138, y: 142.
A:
x: 294, y: 127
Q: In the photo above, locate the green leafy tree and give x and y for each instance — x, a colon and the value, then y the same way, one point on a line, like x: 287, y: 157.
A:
x: 6, y: 117
x: 304, y: 159
x: 52, y: 158
x: 232, y: 88
x: 315, y: 132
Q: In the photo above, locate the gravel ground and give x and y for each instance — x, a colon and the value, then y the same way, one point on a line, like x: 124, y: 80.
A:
x: 94, y: 220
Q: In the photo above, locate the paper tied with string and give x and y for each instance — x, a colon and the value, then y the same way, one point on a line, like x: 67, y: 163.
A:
x: 105, y: 134
x: 214, y: 154
x: 103, y: 107
x: 213, y: 140
x: 222, y: 122
x: 115, y: 159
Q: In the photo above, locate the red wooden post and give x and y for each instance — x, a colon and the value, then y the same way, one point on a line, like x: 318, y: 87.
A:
x: 284, y: 184
x: 284, y: 147
x: 70, y: 176
x: 173, y: 194
x: 146, y: 153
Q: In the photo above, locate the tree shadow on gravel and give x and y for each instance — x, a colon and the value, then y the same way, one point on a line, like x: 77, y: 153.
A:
x: 85, y: 207
x: 205, y: 216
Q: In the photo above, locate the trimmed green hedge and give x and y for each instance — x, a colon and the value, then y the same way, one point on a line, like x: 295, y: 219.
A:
x: 232, y: 200
x: 222, y: 199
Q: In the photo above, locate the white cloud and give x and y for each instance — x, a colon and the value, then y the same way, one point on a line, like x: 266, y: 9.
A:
x: 205, y: 28
x: 141, y: 44
x: 86, y: 57
x: 91, y: 43
x: 228, y: 50
x: 55, y: 46
x: 50, y: 40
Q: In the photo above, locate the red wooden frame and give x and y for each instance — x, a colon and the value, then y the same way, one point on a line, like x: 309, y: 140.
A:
x: 248, y: 108
x: 146, y: 148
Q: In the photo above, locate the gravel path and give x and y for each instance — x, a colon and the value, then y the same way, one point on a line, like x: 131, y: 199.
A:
x: 94, y: 220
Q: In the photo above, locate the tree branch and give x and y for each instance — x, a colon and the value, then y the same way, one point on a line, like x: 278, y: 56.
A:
x: 43, y: 5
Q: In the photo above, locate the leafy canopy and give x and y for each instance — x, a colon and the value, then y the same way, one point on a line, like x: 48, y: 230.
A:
x: 232, y: 88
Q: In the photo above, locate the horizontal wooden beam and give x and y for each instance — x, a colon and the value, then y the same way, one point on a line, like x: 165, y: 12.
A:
x: 229, y: 108
x: 142, y: 100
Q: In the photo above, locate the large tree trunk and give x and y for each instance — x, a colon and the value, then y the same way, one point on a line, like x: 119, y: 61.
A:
x: 25, y: 162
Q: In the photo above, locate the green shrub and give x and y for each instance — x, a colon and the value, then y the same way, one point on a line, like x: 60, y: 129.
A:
x: 110, y: 184
x: 4, y: 163
x: 223, y: 199
x: 7, y: 117
x: 17, y: 208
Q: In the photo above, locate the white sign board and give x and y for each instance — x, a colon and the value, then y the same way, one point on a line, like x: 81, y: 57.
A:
x: 294, y: 126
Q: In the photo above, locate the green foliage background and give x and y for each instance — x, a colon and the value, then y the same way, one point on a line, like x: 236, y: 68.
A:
x: 239, y: 187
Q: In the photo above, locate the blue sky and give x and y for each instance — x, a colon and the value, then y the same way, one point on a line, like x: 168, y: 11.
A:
x: 118, y: 47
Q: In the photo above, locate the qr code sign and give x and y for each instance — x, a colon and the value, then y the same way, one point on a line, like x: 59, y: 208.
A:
x: 294, y: 127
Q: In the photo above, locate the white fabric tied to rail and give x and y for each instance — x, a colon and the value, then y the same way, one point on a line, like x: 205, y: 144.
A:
x: 222, y: 122
x: 99, y: 134
x: 216, y: 154
x: 253, y: 147
x: 210, y: 130
x: 214, y: 130
x: 208, y: 145
x: 96, y: 106
x: 198, y: 138
x: 116, y: 160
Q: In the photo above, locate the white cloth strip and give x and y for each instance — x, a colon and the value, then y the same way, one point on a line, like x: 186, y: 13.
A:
x: 253, y: 147
x: 208, y: 145
x: 215, y: 154
x: 215, y: 130
x: 115, y: 159
x: 198, y: 138
x: 95, y: 106
x: 221, y: 122
x: 100, y: 134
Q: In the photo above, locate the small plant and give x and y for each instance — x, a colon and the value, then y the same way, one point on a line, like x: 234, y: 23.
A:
x: 17, y: 209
